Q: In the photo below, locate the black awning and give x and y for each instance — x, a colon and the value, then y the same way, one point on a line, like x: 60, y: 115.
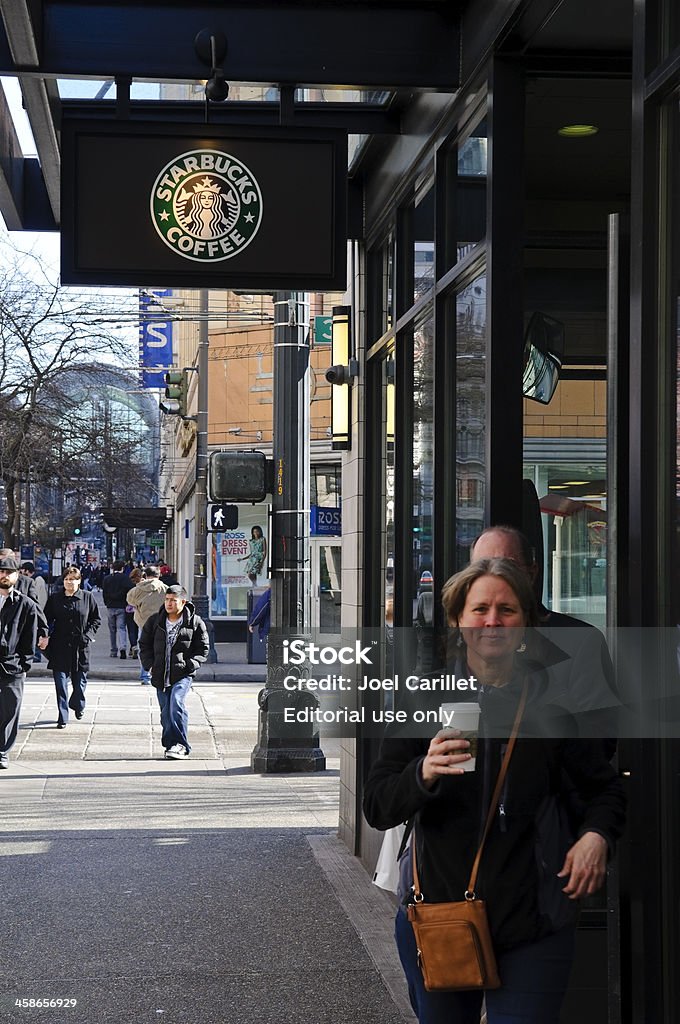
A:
x: 137, y: 517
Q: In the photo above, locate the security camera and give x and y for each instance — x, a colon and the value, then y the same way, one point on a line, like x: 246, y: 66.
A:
x: 342, y: 374
x: 217, y: 88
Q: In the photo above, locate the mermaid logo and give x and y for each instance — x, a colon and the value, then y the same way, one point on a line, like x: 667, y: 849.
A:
x: 206, y: 205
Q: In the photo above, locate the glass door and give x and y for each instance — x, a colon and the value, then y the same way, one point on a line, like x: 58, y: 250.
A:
x: 326, y: 584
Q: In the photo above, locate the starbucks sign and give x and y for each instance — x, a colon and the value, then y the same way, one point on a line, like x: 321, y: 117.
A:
x: 164, y: 205
x: 206, y: 205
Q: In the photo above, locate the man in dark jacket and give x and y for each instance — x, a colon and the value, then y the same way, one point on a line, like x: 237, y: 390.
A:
x: 172, y: 645
x: 114, y: 589
x: 18, y: 632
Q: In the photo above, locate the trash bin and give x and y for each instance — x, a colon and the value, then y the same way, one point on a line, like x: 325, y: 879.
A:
x: 256, y: 649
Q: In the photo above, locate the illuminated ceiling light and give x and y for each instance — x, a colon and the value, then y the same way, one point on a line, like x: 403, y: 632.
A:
x: 575, y: 483
x: 577, y: 131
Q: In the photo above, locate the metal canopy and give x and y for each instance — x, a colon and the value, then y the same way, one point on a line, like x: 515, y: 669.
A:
x: 360, y: 44
x: 138, y: 518
x: 345, y: 42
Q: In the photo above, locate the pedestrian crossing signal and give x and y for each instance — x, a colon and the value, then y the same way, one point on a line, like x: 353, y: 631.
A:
x: 238, y: 476
x: 222, y: 517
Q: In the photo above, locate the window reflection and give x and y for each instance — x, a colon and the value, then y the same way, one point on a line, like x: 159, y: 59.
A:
x: 423, y: 466
x: 387, y: 548
x: 467, y: 198
x: 573, y: 502
x: 470, y: 415
x: 388, y: 285
x: 423, y: 254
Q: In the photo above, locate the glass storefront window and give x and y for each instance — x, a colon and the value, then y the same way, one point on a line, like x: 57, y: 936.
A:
x: 470, y: 309
x: 423, y: 246
x: 388, y: 493
x: 387, y: 306
x: 466, y: 214
x: 669, y: 29
x: 423, y: 454
x: 573, y: 502
x: 325, y: 484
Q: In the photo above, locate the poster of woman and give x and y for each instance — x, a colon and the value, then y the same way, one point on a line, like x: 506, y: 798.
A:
x: 239, y: 562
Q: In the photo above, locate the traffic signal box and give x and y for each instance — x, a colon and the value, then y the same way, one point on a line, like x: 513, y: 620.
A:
x: 176, y: 387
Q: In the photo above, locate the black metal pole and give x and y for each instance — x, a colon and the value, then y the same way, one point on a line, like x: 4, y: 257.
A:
x: 200, y: 594
x: 282, y: 747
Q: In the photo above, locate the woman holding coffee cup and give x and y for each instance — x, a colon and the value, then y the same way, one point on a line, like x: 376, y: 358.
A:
x: 533, y: 869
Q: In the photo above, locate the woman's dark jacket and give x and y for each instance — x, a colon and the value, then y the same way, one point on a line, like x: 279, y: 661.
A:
x: 530, y: 834
x: 73, y: 623
x: 190, y: 649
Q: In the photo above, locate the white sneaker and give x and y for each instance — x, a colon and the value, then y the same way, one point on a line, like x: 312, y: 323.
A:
x: 176, y: 753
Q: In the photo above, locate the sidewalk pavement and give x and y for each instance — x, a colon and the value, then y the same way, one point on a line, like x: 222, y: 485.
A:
x: 231, y: 665
x: 188, y: 892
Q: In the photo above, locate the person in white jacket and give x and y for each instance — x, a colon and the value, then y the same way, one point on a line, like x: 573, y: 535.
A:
x: 147, y: 598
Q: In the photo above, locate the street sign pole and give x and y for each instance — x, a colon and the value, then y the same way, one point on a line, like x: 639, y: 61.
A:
x: 281, y: 748
x: 200, y: 594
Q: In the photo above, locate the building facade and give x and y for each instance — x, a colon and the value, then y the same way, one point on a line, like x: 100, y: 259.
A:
x: 547, y: 184
x: 524, y: 161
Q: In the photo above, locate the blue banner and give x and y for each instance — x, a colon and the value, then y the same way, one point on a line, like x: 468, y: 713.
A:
x: 325, y: 522
x: 155, y: 337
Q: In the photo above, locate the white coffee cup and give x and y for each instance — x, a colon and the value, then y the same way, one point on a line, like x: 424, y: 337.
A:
x: 465, y: 718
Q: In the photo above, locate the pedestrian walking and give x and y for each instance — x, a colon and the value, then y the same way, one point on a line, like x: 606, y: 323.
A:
x: 25, y: 583
x: 114, y: 589
x: 146, y: 598
x: 261, y: 615
x: 28, y: 571
x: 172, y: 645
x: 534, y: 867
x: 19, y: 618
x: 73, y: 619
x: 134, y: 577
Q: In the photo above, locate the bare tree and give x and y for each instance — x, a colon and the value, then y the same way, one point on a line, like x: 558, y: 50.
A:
x: 47, y: 432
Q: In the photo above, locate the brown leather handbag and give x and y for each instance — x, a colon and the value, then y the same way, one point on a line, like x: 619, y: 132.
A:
x: 455, y: 951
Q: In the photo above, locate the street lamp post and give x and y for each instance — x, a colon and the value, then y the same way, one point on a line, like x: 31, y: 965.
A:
x: 200, y: 594
x: 280, y: 747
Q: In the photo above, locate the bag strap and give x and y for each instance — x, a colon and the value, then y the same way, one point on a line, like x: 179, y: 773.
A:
x: 408, y: 828
x: 470, y: 891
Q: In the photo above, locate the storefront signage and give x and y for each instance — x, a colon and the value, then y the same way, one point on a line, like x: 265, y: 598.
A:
x: 188, y: 206
x: 325, y: 522
x: 206, y: 205
x: 323, y: 326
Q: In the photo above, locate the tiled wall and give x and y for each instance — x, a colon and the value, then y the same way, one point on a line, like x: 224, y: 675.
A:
x: 578, y: 409
x: 352, y: 550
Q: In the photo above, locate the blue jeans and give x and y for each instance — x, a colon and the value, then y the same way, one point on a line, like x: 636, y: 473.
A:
x: 534, y: 979
x: 77, y: 701
x: 174, y: 717
x: 117, y: 629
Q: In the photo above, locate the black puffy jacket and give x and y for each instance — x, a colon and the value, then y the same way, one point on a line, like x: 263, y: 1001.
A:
x: 189, y: 650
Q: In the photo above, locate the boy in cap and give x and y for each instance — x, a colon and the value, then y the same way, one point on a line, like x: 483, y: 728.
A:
x: 172, y: 645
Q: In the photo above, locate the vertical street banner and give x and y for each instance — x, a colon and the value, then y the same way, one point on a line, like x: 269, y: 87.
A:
x: 155, y: 338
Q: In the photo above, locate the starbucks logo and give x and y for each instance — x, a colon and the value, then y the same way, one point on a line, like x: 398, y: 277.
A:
x: 206, y: 205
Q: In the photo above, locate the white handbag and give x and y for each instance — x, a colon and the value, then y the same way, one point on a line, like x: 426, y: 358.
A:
x: 386, y: 875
